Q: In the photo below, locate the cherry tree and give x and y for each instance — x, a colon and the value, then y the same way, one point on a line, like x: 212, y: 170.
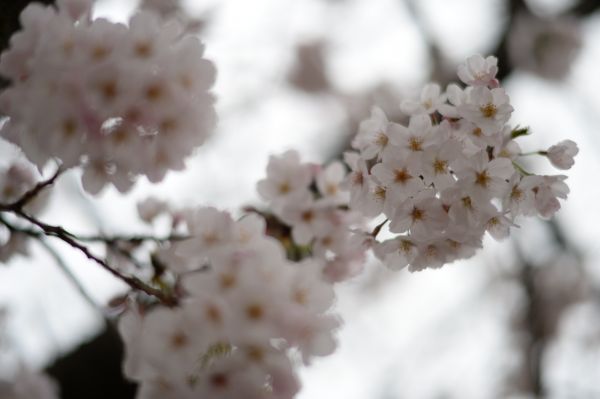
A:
x: 225, y: 307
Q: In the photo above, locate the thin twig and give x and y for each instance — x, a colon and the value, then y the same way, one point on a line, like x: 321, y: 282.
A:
x: 133, y: 239
x: 31, y: 194
x: 60, y: 262
x: 71, y: 239
x: 68, y: 238
x: 378, y: 228
x: 106, y: 239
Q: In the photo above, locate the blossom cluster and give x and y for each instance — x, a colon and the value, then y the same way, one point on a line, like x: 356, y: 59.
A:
x: 25, y: 383
x: 121, y: 101
x: 239, y: 306
x: 245, y: 312
x: 452, y: 174
x: 16, y: 178
x: 313, y: 202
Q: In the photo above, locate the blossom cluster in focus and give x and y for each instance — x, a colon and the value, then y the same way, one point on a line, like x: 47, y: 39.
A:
x: 452, y: 174
x: 312, y: 200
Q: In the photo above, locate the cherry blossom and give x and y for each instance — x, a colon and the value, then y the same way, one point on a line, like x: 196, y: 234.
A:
x: 561, y: 154
x: 479, y: 71
x: 452, y: 175
x: 116, y: 89
x: 229, y: 303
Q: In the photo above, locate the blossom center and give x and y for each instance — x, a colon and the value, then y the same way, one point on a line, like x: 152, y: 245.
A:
x: 255, y: 312
x: 417, y: 214
x: 482, y: 179
x: 219, y: 380
x: 357, y: 178
x: 380, y: 192
x: 415, y: 144
x: 179, y: 340
x: 401, y: 176
x: 489, y: 110
x: 467, y: 202
x: 284, y: 188
x: 307, y: 216
x: 516, y: 194
x: 440, y: 166
x: 381, y: 139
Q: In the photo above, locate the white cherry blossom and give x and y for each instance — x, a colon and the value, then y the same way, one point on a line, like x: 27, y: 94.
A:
x: 372, y: 138
x: 479, y: 71
x: 488, y: 109
x: 430, y: 101
x: 561, y: 154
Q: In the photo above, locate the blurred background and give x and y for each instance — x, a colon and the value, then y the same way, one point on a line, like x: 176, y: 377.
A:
x: 519, y: 320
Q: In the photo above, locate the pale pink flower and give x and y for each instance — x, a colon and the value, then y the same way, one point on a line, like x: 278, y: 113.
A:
x: 400, y: 181
x: 482, y: 178
x: 430, y: 101
x: 436, y: 164
x: 561, y: 155
x: 306, y: 216
x: 456, y: 96
x: 411, y: 141
x: 286, y: 177
x: 372, y: 137
x: 211, y: 232
x: 329, y: 182
x: 396, y: 253
x: 358, y: 182
x: 520, y: 198
x: 488, y: 109
x: 423, y: 215
x: 547, y: 193
x: 150, y: 208
x: 479, y: 71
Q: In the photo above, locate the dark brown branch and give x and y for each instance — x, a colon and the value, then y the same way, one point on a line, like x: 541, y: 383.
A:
x: 131, y: 239
x: 135, y: 239
x: 378, y: 228
x: 68, y: 238
x: 60, y: 262
x: 31, y: 194
x: 75, y: 241
x: 534, y: 337
x: 584, y: 8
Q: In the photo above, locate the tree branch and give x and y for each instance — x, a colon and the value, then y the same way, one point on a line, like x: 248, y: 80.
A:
x: 60, y: 262
x: 31, y: 194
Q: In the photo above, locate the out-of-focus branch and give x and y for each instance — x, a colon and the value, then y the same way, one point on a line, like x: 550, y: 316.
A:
x: 31, y: 194
x: 584, y: 8
x: 514, y: 8
x: 17, y: 209
x: 60, y: 262
x: 532, y: 331
x: 439, y: 70
x: 68, y: 238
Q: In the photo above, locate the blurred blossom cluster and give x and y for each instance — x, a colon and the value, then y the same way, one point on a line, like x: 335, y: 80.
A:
x: 546, y: 47
x: 25, y: 384
x: 116, y: 90
x: 16, y: 178
x: 245, y: 309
